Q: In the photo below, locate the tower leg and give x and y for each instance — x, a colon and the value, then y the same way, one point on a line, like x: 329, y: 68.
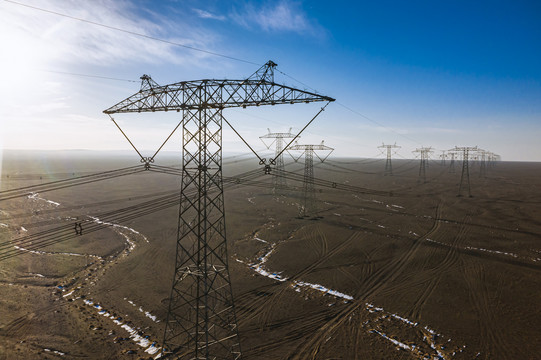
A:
x: 279, y: 181
x: 309, y: 192
x: 388, y: 164
x: 465, y: 177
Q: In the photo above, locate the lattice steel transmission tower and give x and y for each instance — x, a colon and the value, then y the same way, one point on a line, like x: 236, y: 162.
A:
x: 388, y: 164
x: 482, y: 166
x: 452, y: 162
x: 425, y: 155
x: 308, y: 207
x: 201, y: 321
x: 465, y: 177
x: 278, y: 181
x: 492, y: 158
x: 443, y: 157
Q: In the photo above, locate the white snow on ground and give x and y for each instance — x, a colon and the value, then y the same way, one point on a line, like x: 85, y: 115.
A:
x: 136, y: 335
x: 297, y: 284
x: 322, y: 289
x: 492, y: 251
x: 34, y: 196
x: 98, y: 221
x: 3, y: 225
x: 396, y: 342
x: 40, y: 252
x: 485, y: 250
x: 23, y: 229
x: 397, y: 206
x: 36, y: 274
x: 55, y: 352
x: 258, y: 239
x: 147, y: 314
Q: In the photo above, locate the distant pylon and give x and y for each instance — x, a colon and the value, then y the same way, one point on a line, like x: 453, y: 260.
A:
x: 308, y: 207
x: 443, y: 156
x: 492, y: 158
x: 425, y: 155
x: 483, y: 167
x: 388, y: 164
x: 465, y: 177
x: 278, y: 181
x: 452, y: 163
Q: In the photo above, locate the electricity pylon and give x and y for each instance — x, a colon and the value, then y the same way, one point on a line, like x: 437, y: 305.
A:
x: 443, y: 156
x: 482, y: 166
x: 201, y: 321
x: 308, y: 207
x: 425, y: 155
x: 278, y: 181
x: 492, y: 158
x: 452, y: 163
x: 388, y: 164
x: 465, y: 177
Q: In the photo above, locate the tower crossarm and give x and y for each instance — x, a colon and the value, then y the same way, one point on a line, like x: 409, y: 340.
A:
x: 310, y: 147
x: 213, y: 94
x: 278, y: 135
x: 389, y: 146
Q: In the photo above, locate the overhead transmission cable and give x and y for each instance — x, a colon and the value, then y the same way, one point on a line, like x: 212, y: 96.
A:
x: 99, y: 221
x: 190, y: 48
x: 352, y: 110
x: 65, y: 183
x: 90, y: 76
x: 132, y: 32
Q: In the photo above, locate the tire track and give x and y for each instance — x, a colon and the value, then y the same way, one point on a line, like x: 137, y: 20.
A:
x: 373, y: 285
x: 266, y: 308
x: 492, y: 338
x: 435, y: 275
x: 268, y: 311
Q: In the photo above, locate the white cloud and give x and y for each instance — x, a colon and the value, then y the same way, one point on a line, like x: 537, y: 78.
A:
x: 53, y: 38
x: 276, y: 16
x: 207, y: 15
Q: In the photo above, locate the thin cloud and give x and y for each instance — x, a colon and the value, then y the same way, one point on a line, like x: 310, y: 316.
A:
x: 276, y: 16
x: 65, y: 40
x: 207, y: 15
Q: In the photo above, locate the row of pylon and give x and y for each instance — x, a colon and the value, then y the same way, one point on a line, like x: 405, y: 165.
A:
x: 466, y: 153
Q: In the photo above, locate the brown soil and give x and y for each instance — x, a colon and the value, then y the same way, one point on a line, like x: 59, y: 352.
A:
x: 430, y: 274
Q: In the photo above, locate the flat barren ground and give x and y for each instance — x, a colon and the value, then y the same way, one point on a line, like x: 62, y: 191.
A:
x: 415, y: 272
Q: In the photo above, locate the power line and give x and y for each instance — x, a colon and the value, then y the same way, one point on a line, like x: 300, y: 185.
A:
x: 350, y: 109
x: 377, y: 123
x: 86, y: 75
x: 132, y: 33
x: 190, y: 48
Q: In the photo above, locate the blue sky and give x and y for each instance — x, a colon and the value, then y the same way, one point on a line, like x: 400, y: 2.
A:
x: 418, y: 73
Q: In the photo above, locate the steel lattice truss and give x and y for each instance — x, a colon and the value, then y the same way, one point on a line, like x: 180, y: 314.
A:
x: 453, y: 155
x: 425, y: 155
x: 388, y: 164
x: 308, y: 207
x: 217, y: 94
x: 278, y: 181
x: 465, y: 177
x: 201, y: 321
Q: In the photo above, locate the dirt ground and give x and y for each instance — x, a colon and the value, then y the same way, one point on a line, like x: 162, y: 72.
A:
x: 419, y: 273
